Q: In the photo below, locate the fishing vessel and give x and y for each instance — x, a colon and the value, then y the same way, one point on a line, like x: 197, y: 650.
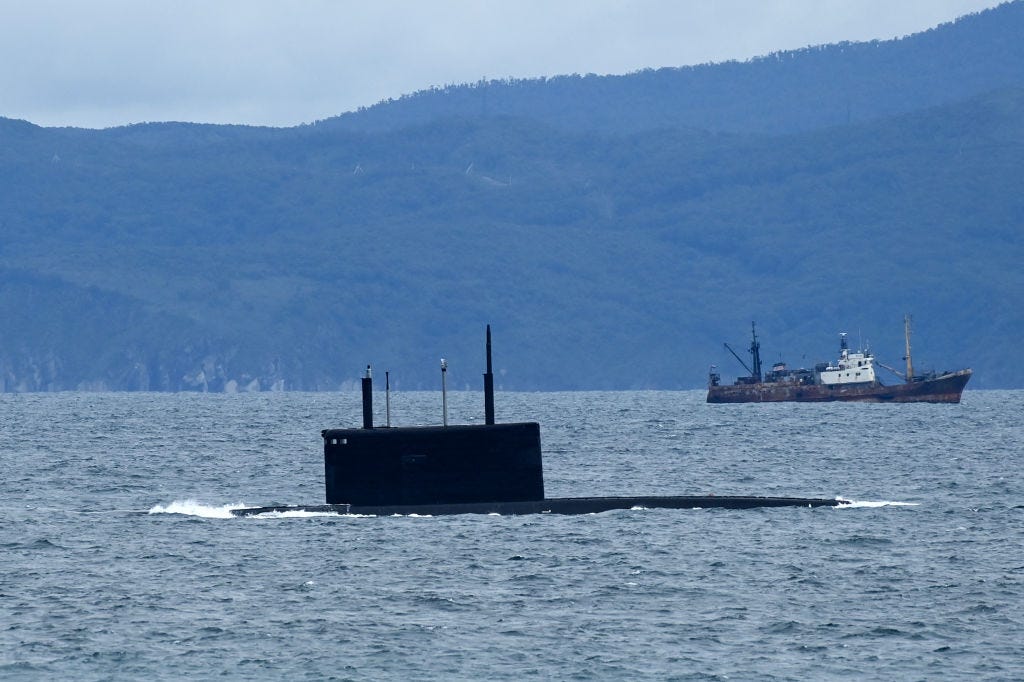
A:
x: 852, y: 378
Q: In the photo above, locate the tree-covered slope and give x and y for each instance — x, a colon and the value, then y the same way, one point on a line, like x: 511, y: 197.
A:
x: 175, y: 256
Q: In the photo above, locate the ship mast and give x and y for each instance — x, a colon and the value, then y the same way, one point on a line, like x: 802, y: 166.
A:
x: 755, y: 350
x: 906, y: 334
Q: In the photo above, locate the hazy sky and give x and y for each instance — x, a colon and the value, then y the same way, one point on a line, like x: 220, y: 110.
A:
x: 100, y: 63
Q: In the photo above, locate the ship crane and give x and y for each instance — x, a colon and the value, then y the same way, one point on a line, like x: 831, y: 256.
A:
x: 895, y: 371
x: 909, y: 375
x: 729, y: 348
x: 755, y: 351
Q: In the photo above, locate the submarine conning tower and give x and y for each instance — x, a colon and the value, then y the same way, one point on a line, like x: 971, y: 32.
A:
x: 424, y: 465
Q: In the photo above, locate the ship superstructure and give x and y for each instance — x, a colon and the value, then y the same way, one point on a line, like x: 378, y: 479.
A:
x: 853, y: 367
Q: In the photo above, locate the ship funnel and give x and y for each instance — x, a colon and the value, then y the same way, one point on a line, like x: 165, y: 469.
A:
x: 368, y: 399
x: 488, y: 384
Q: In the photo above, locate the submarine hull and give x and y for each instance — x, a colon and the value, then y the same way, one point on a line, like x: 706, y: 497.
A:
x: 487, y: 468
x: 557, y: 505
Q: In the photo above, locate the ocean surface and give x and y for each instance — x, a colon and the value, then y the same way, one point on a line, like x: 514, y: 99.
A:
x: 120, y: 560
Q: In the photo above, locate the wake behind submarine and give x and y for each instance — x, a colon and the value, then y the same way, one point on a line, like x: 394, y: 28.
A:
x: 484, y: 468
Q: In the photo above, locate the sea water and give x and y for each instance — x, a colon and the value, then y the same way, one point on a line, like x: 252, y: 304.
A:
x: 121, y: 560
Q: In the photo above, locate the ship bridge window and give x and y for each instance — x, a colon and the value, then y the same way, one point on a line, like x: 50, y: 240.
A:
x: 339, y: 441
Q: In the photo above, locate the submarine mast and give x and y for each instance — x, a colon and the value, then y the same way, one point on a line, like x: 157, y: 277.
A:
x: 444, y: 392
x: 488, y: 384
x: 367, y: 386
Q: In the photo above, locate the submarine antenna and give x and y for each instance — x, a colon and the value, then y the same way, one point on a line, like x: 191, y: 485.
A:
x: 368, y: 399
x: 489, y: 384
x: 444, y: 392
x: 387, y: 397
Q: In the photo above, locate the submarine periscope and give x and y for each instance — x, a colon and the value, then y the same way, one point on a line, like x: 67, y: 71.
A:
x: 489, y: 468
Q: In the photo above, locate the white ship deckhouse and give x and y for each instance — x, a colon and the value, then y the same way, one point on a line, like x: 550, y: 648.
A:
x: 852, y: 368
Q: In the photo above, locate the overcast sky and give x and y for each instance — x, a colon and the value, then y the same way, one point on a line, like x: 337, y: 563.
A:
x: 101, y: 63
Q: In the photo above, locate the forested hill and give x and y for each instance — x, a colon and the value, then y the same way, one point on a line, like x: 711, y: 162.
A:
x: 783, y: 92
x: 197, y: 257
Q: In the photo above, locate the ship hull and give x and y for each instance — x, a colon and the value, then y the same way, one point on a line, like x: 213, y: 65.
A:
x: 945, y: 388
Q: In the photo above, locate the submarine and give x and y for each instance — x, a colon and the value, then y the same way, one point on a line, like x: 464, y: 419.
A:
x: 489, y: 468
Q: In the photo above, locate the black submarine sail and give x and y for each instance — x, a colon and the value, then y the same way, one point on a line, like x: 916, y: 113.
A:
x: 489, y: 468
x: 851, y: 378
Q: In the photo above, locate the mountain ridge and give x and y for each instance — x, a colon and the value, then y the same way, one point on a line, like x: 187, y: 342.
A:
x: 792, y: 90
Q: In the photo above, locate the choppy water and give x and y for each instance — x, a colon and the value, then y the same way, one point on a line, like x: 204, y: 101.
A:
x: 119, y: 560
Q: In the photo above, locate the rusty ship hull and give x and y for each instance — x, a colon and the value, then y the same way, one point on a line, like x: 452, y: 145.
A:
x: 944, y: 388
